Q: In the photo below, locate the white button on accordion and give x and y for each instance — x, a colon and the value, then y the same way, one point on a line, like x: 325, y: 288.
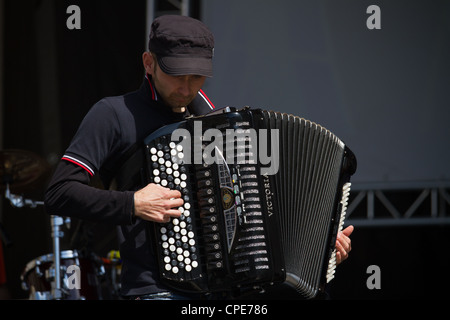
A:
x: 265, y: 194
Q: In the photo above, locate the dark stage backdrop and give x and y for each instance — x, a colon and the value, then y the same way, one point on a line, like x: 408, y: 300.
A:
x: 383, y: 91
x: 53, y: 75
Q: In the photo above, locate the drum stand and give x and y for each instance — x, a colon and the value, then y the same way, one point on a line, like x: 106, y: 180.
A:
x: 56, y: 222
x: 57, y: 292
x: 18, y: 201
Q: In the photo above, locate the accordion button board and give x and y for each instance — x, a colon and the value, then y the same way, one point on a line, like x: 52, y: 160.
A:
x: 178, y: 243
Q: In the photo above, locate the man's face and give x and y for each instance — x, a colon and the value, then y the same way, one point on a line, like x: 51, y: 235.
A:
x: 176, y: 91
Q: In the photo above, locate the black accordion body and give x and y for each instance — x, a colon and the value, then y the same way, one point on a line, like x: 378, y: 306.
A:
x: 265, y: 195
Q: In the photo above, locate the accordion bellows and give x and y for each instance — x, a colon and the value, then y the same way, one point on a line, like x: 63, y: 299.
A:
x: 265, y: 196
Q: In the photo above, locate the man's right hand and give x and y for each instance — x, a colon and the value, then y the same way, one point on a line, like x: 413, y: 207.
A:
x: 156, y: 203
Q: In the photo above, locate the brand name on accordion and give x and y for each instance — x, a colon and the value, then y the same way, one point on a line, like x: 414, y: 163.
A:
x: 233, y: 146
x: 268, y: 193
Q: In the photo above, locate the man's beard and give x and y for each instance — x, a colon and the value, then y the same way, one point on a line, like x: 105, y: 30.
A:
x: 177, y: 101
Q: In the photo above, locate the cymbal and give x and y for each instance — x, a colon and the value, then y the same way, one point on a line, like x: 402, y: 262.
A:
x: 20, y: 168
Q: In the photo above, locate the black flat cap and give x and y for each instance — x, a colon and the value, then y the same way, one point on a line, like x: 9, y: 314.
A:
x: 183, y: 45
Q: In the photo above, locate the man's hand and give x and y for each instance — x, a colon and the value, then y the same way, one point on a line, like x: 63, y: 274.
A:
x: 343, y: 244
x: 156, y: 203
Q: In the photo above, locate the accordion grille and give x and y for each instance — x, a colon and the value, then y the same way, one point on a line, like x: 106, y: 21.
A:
x: 306, y: 185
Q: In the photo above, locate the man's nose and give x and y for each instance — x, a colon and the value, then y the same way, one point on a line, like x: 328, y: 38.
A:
x: 184, y: 86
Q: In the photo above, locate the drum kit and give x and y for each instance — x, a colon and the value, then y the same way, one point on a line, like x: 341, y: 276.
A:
x: 62, y: 274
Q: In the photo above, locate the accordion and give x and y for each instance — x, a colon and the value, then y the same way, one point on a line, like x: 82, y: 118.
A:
x: 265, y: 194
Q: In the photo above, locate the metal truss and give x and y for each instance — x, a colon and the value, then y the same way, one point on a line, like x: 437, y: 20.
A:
x: 160, y: 7
x: 399, y: 205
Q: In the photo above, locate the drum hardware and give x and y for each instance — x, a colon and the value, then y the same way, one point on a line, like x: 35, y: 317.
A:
x: 113, y: 259
x: 54, y: 274
x: 39, y: 277
x: 19, y: 201
x: 56, y: 222
x: 19, y: 170
x: 47, y: 277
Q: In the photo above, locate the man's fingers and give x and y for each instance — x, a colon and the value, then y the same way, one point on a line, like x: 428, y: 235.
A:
x: 348, y: 231
x: 174, y: 213
x: 341, y: 253
x: 173, y: 194
x: 165, y: 216
x: 338, y: 258
x: 343, y: 244
x: 173, y: 203
x: 344, y: 241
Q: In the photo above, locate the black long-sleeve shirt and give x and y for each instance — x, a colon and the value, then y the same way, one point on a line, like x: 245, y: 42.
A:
x: 108, y: 131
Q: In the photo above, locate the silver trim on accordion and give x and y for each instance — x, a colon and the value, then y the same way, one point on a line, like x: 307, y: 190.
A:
x: 244, y: 225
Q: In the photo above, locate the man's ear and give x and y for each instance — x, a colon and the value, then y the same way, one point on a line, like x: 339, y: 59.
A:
x: 148, y: 61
